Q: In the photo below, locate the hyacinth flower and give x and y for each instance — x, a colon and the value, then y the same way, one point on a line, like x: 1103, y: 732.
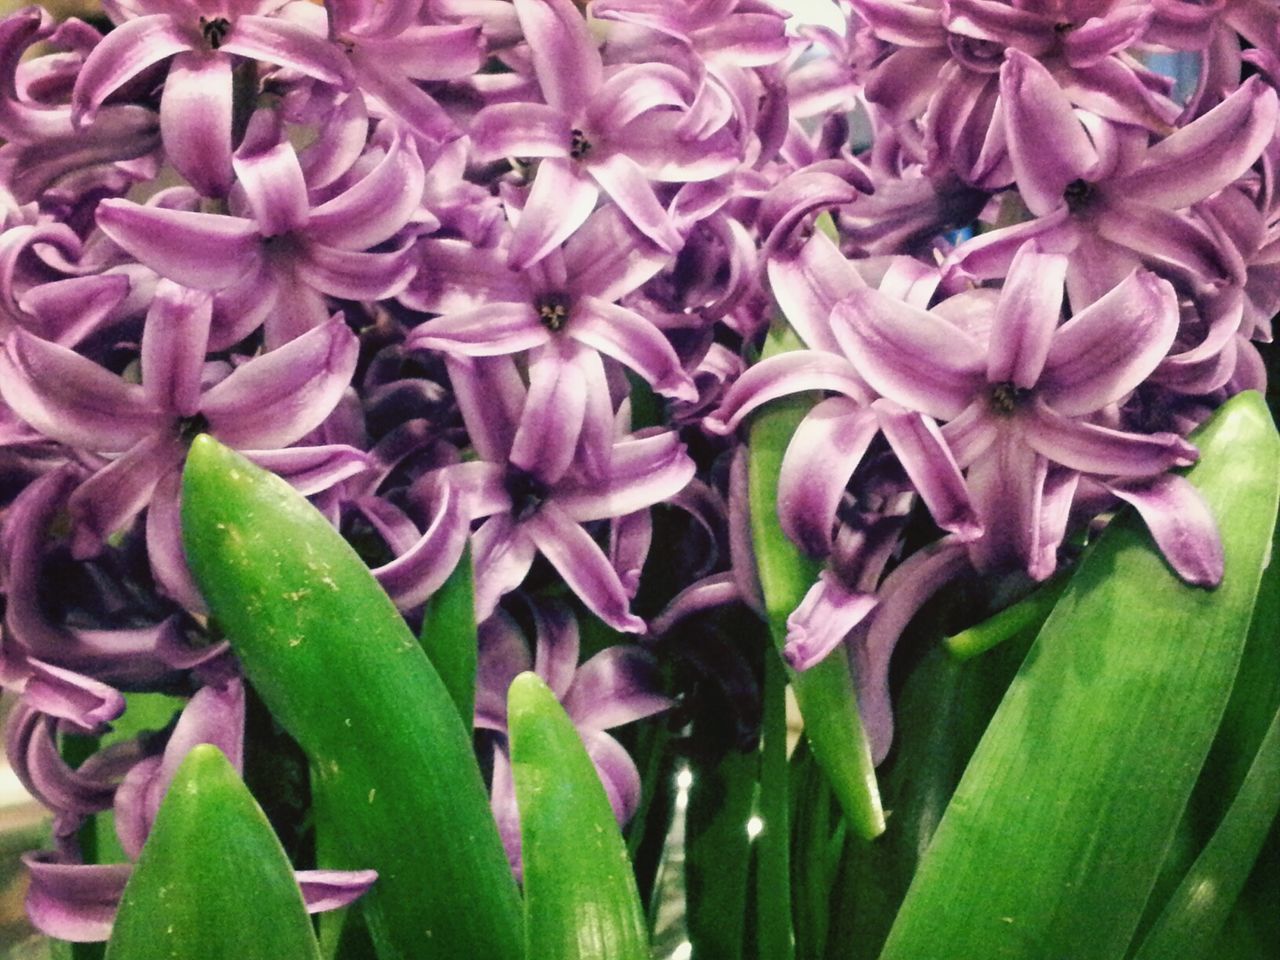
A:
x: 287, y: 247
x: 202, y: 39
x: 594, y: 134
x: 615, y: 687
x: 944, y: 60
x: 535, y: 496
x: 141, y: 430
x: 76, y: 901
x: 1023, y: 408
x: 1109, y: 205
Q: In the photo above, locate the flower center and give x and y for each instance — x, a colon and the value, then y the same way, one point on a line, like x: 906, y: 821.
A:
x: 1078, y: 195
x: 214, y: 31
x: 579, y: 145
x: 526, y: 491
x: 191, y: 427
x: 553, y: 311
x: 1006, y: 398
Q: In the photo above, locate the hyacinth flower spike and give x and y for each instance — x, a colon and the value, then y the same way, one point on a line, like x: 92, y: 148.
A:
x: 203, y: 38
x: 1022, y: 409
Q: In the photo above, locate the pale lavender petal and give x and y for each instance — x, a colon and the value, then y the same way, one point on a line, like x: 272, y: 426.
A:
x: 902, y: 594
x: 556, y: 645
x: 618, y: 685
x: 333, y: 889
x: 123, y: 54
x: 455, y: 276
x: 174, y: 341
x: 1181, y: 524
x: 634, y: 342
x: 905, y: 24
x: 68, y: 311
x: 551, y: 423
x: 1191, y: 163
x: 626, y: 184
x: 932, y: 469
x: 71, y: 398
x: 1174, y: 241
x: 608, y: 258
x: 195, y: 120
x: 1112, y: 346
x: 503, y: 555
x: 492, y: 330
x: 271, y: 177
x: 909, y: 355
x: 808, y: 284
x: 563, y: 51
x: 415, y: 575
x: 392, y: 94
x: 635, y: 89
x: 106, y: 502
x: 278, y: 397
x: 643, y: 471
x: 356, y: 274
x: 87, y: 703
x: 202, y: 250
x: 823, y: 453
x: 1047, y: 144
x: 490, y: 397
x: 376, y: 207
x: 1103, y: 36
x: 618, y: 773
x: 286, y: 44
x: 826, y: 615
x: 164, y: 544
x: 560, y: 200
x: 583, y: 566
x: 73, y: 901
x: 1027, y: 315
x: 797, y: 371
x: 523, y: 130
x: 1094, y: 449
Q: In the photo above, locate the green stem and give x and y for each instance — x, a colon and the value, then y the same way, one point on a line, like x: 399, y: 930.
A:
x: 1027, y: 614
x: 773, y: 877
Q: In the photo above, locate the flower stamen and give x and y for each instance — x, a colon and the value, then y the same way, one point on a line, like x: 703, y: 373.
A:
x: 214, y: 30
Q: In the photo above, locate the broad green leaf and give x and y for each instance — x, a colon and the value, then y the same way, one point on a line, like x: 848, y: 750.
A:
x: 340, y: 670
x: 824, y: 692
x: 212, y: 880
x: 1055, y: 835
x: 580, y: 893
x: 449, y: 635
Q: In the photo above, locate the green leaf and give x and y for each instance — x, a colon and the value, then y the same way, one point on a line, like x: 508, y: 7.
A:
x: 580, y: 893
x: 773, y: 845
x: 340, y: 670
x: 825, y: 692
x: 212, y: 880
x: 1056, y: 833
x: 449, y: 635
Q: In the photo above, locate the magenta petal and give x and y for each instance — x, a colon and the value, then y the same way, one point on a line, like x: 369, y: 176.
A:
x: 287, y: 44
x: 1179, y: 244
x: 506, y: 130
x: 608, y: 258
x: 174, y: 341
x: 910, y: 355
x: 1180, y: 521
x: 1027, y: 315
x: 202, y: 250
x: 71, y: 398
x: 583, y: 565
x: 549, y: 427
x: 164, y: 544
x: 808, y: 284
x: 354, y: 274
x: 195, y: 120
x: 563, y: 51
x: 626, y: 184
x: 56, y: 692
x: 556, y: 645
x: 411, y: 578
x: 1090, y: 448
x: 503, y: 555
x: 1047, y: 144
x: 633, y: 341
x: 377, y: 206
x: 113, y: 496
x: 1192, y: 164
x: 636, y: 89
x: 271, y: 176
x: 824, y: 618
x: 455, y: 276
x: 1007, y: 486
x: 309, y: 470
x: 490, y: 397
x: 492, y: 330
x: 643, y: 471
x: 717, y: 590
x: 123, y: 54
x: 560, y: 200
x: 616, y: 686
x: 502, y: 655
x: 823, y: 453
x: 73, y: 901
x: 797, y: 371
x: 1112, y: 346
x: 279, y: 396
x: 333, y: 889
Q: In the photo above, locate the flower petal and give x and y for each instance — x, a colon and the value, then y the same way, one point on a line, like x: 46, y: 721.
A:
x: 415, y: 575
x: 195, y: 120
x: 503, y: 554
x: 618, y: 773
x: 120, y: 56
x: 286, y: 44
x: 808, y: 283
x: 1027, y: 315
x: 356, y: 274
x: 523, y: 130
x: 643, y: 471
x: 556, y: 645
x: 1090, y: 448
x: 826, y: 615
x: 626, y: 184
x: 454, y: 276
x: 113, y: 496
x: 376, y: 207
x: 1181, y: 524
x: 73, y: 901
x: 563, y: 51
x: 633, y: 341
x: 492, y: 330
x: 797, y: 371
x: 619, y: 684
x: 175, y: 339
x: 503, y: 654
x: 608, y: 258
x: 560, y: 200
x: 324, y: 890
x: 202, y: 250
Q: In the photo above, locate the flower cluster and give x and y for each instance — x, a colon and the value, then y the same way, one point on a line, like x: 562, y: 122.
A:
x: 495, y: 275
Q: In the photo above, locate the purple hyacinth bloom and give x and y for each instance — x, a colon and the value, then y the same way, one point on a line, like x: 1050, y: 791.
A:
x: 616, y: 686
x: 536, y: 495
x: 202, y: 38
x: 1027, y: 405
